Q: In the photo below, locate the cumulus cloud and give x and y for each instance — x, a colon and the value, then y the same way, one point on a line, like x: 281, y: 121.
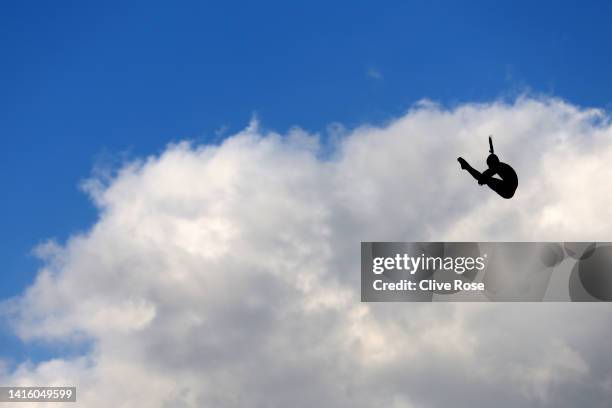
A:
x: 228, y: 275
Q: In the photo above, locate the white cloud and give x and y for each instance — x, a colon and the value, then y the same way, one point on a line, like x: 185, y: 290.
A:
x: 374, y: 73
x: 229, y: 275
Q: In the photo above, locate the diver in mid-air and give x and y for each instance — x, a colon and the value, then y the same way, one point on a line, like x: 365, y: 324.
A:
x: 507, y: 182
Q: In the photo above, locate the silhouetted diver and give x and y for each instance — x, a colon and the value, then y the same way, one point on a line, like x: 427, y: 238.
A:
x: 505, y: 186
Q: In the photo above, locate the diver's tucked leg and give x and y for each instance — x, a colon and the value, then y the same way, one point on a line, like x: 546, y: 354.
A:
x: 500, y: 187
x: 466, y: 166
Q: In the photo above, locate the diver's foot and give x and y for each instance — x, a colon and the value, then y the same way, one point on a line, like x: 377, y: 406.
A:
x: 462, y: 162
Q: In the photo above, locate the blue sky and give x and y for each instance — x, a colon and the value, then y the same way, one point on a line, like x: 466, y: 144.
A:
x: 81, y: 82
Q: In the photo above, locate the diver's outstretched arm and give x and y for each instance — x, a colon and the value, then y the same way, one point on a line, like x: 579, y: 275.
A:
x: 486, y: 176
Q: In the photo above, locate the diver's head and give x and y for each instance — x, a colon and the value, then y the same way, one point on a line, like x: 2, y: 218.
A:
x: 492, y: 161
